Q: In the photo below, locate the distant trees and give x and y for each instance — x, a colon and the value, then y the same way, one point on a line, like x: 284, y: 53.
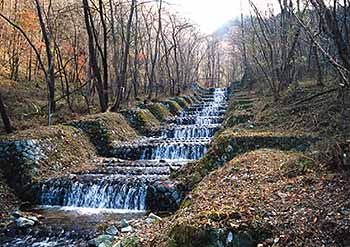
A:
x: 111, y: 51
x: 105, y: 54
x: 335, y: 23
x: 304, y: 40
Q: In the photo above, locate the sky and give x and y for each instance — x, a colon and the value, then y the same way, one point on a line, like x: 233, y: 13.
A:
x: 211, y: 14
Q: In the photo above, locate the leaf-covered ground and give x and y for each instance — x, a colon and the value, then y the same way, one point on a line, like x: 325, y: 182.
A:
x: 281, y: 198
x: 8, y: 200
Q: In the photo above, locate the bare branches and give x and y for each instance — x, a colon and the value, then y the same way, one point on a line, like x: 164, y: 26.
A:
x: 340, y: 69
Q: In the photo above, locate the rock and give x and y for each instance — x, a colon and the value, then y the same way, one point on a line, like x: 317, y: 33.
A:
x: 17, y: 214
x: 105, y: 244
x: 103, y: 240
x: 124, y: 223
x: 150, y: 221
x: 244, y: 239
x: 117, y: 245
x: 177, y: 197
x: 112, y: 230
x: 22, y: 222
x: 229, y: 238
x: 153, y: 216
x: 33, y: 218
x: 126, y: 229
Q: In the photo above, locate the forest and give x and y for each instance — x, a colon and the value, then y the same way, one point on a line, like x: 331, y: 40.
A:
x: 98, y: 56
x: 125, y: 124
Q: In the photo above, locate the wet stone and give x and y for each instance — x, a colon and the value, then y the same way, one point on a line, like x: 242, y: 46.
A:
x: 127, y: 229
x: 124, y: 223
x: 111, y: 230
x: 102, y: 240
x: 23, y: 222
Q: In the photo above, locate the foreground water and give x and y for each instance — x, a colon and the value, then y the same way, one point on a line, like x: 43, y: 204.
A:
x: 65, y: 226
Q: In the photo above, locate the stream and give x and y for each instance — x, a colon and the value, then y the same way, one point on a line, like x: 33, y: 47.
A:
x: 126, y: 186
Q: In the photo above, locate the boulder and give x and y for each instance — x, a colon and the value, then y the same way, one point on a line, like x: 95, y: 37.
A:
x: 152, y: 218
x: 124, y: 223
x: 103, y: 240
x: 33, y: 218
x: 17, y: 214
x: 111, y: 230
x: 23, y: 222
x: 127, y: 229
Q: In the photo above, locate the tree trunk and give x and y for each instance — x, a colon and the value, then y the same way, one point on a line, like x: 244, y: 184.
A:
x: 154, y: 60
x: 105, y: 53
x: 50, y: 63
x: 123, y: 76
x: 93, y: 58
x: 5, y: 117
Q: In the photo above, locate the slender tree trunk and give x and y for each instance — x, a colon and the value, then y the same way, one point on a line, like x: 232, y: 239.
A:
x: 5, y: 117
x: 105, y: 53
x: 154, y: 60
x: 319, y: 68
x: 136, y: 55
x: 115, y: 50
x: 123, y: 77
x: 93, y: 58
x: 50, y: 63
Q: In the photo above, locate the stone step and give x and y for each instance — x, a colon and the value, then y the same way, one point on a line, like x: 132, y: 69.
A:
x: 131, y: 171
x: 203, y: 113
x: 132, y: 168
x: 100, y: 191
x: 190, y: 131
x: 136, y: 163
x: 206, y: 107
x: 191, y: 126
x: 156, y: 149
x: 188, y: 120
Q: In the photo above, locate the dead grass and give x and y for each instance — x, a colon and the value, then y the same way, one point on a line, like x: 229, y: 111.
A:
x: 8, y: 200
x: 327, y: 115
x: 66, y: 149
x: 283, y: 198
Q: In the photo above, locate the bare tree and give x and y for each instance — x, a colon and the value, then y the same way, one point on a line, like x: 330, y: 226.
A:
x: 4, y: 116
x: 123, y: 76
x: 93, y: 57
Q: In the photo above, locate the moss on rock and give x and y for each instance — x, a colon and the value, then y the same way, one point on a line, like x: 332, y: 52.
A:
x: 229, y: 143
x: 143, y: 121
x: 182, y: 102
x: 188, y: 99
x: 159, y: 111
x: 104, y: 128
x: 237, y: 117
x: 172, y: 106
x: 188, y: 235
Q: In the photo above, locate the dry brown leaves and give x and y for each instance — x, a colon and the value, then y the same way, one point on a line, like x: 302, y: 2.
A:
x: 281, y: 194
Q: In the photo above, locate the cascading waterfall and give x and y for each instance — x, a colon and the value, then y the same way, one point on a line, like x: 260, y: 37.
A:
x: 187, y: 132
x: 124, y: 184
x: 175, y: 151
x: 106, y: 193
